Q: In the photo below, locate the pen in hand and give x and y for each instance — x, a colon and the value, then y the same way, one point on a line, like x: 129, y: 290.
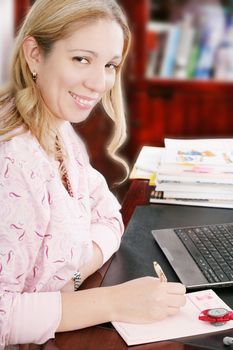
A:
x: 159, y: 272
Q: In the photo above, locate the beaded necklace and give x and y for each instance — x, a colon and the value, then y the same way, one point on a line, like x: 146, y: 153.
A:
x: 66, y: 182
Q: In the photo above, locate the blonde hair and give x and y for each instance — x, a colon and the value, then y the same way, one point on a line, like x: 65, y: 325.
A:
x: 21, y: 103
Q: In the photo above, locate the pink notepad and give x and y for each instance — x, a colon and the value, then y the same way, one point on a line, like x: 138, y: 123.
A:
x: 185, y: 324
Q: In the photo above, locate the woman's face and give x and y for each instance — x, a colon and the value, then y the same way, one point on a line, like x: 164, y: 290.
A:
x: 80, y: 70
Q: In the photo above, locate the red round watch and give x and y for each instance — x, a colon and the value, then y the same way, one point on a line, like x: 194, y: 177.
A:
x: 217, y: 316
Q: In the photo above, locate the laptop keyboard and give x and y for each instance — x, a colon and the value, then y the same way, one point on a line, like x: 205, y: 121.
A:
x: 212, y: 249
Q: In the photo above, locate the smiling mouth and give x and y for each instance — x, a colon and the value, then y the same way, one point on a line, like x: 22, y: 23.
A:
x: 85, y: 102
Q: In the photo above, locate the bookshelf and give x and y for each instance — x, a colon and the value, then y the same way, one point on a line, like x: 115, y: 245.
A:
x: 169, y: 107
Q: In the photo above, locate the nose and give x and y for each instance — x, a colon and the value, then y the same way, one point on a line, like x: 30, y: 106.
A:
x: 96, y: 80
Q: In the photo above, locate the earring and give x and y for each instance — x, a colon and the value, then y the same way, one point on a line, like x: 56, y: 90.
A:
x: 34, y: 76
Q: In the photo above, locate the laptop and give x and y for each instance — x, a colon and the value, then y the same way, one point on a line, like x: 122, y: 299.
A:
x: 201, y: 255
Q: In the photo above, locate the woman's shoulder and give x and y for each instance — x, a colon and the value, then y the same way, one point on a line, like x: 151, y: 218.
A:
x: 24, y: 151
x: 20, y: 143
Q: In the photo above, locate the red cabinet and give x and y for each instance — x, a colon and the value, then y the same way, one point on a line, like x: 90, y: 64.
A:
x: 21, y: 8
x: 159, y: 109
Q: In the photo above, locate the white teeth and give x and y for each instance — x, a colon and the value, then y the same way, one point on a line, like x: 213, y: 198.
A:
x: 81, y: 100
x: 85, y: 102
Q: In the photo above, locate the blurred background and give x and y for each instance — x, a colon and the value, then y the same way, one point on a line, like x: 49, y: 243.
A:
x: 178, y: 81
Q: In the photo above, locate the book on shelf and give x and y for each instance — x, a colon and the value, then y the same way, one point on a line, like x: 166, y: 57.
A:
x: 199, y: 171
x: 198, y: 44
x: 157, y: 34
x: 211, y: 27
x: 223, y: 69
x: 185, y: 46
x: 193, y: 56
x: 170, y: 51
x: 152, y: 52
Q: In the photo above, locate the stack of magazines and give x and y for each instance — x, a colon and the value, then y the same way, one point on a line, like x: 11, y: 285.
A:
x: 196, y: 172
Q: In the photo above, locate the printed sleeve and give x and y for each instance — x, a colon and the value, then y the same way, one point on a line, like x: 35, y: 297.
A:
x: 24, y: 216
x: 107, y: 226
x: 36, y: 317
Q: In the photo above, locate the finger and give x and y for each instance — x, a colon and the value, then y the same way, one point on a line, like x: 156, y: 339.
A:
x: 175, y: 288
x: 172, y: 311
x: 176, y: 301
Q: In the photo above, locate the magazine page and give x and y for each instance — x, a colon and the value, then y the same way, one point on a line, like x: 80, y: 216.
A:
x: 202, y: 152
x: 147, y: 163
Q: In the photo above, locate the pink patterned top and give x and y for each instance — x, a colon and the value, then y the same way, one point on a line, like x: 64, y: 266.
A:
x: 45, y: 234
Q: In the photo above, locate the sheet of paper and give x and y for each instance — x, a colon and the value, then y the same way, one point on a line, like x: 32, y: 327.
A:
x: 184, y: 324
x: 147, y: 164
x: 149, y: 158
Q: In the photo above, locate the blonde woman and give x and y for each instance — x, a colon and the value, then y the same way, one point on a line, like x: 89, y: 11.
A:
x: 59, y: 221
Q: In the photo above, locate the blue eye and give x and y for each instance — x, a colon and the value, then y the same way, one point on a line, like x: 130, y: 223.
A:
x: 81, y: 59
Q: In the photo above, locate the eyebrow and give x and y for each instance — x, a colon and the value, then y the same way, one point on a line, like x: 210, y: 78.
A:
x: 93, y: 53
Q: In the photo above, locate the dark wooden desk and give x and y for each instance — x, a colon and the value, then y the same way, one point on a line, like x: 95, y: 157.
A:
x: 99, y: 338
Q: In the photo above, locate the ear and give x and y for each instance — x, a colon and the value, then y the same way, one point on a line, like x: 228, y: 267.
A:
x: 32, y: 53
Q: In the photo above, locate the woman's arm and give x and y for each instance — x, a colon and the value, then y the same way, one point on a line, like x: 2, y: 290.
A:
x: 88, y: 269
x: 141, y: 300
x: 106, y: 227
x: 95, y: 263
x: 106, y: 220
x: 24, y: 218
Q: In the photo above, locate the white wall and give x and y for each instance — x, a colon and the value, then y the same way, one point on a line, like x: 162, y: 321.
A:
x: 6, y: 36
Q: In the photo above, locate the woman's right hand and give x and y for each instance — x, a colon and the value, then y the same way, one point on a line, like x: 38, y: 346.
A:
x: 145, y: 300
